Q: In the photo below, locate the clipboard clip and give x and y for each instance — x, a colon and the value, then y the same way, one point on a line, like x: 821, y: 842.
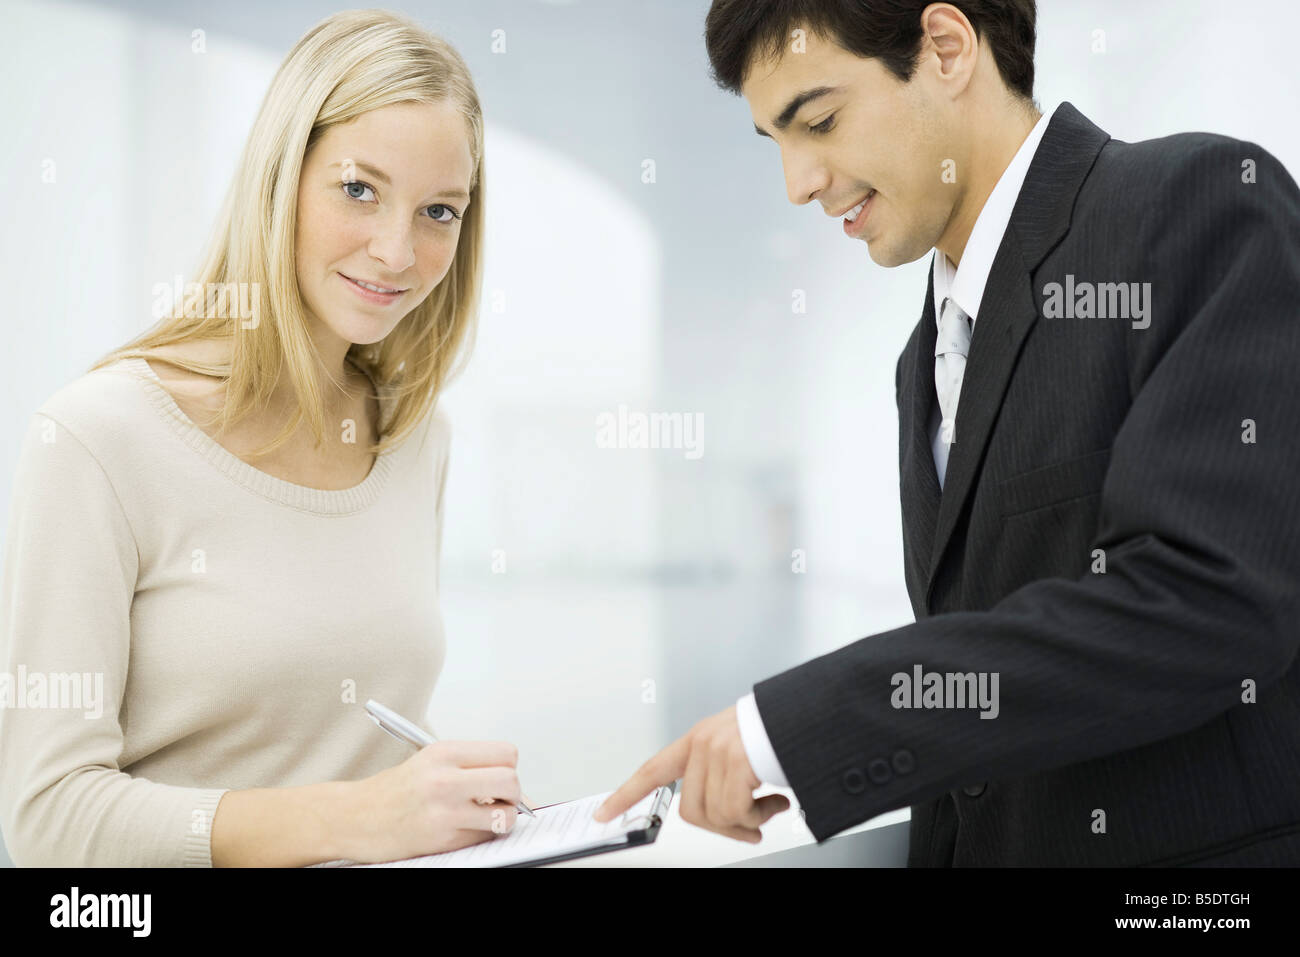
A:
x: 658, y: 808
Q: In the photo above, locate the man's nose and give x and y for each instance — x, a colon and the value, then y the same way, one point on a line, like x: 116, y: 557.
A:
x: 805, y: 177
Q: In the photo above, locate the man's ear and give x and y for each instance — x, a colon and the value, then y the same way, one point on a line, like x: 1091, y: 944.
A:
x: 950, y: 45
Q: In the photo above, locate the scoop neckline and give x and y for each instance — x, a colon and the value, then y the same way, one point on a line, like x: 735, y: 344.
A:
x: 303, y: 497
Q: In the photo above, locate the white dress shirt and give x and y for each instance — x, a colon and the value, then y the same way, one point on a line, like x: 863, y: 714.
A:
x: 965, y: 284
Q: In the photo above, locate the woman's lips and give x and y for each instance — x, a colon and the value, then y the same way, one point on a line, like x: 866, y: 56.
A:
x: 369, y: 295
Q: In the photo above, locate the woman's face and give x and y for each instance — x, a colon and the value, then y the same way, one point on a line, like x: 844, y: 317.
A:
x: 380, y: 200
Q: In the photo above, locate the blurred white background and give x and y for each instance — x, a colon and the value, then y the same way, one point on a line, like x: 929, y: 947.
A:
x: 623, y: 567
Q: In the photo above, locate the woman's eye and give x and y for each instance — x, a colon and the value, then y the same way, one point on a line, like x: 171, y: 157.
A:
x: 439, y: 217
x: 355, y: 184
x: 452, y: 215
x: 824, y: 126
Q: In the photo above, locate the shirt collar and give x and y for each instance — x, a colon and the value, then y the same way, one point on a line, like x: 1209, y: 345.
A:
x: 965, y: 283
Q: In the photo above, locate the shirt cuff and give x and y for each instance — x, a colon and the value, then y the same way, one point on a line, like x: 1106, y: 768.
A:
x: 757, y: 746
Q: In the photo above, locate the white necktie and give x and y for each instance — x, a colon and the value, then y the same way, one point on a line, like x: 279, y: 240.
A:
x: 950, y: 349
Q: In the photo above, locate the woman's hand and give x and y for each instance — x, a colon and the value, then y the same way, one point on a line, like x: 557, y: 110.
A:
x: 448, y: 795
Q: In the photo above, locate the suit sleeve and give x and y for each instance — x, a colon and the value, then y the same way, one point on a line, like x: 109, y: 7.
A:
x: 1199, y: 526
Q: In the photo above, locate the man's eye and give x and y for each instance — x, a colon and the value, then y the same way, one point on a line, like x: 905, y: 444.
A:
x: 825, y: 126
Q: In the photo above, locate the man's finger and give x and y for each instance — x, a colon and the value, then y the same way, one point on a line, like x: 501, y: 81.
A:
x: 728, y: 801
x: 663, y: 768
x: 765, y: 808
x: 691, y: 805
x: 747, y: 834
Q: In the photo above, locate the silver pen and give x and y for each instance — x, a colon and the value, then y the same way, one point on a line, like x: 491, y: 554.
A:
x: 411, y: 733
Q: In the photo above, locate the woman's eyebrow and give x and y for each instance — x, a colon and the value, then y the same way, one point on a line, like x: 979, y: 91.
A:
x: 380, y: 175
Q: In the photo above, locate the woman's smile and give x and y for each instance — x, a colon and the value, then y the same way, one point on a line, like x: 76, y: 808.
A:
x: 371, y: 292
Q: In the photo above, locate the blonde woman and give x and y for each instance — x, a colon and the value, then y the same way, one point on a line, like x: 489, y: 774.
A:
x: 230, y: 526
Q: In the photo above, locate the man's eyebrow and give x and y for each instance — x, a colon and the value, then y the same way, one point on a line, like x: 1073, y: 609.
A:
x: 794, y: 106
x: 380, y: 175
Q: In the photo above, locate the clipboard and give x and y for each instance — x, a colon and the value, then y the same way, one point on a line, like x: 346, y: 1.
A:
x: 644, y: 829
x: 632, y: 830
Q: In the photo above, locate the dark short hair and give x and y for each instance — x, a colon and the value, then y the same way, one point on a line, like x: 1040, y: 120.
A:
x: 736, y: 31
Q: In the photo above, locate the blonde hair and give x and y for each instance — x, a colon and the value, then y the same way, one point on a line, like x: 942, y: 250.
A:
x: 348, y: 64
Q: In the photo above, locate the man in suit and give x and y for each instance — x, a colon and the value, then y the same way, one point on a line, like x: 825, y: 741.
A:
x: 1100, y: 491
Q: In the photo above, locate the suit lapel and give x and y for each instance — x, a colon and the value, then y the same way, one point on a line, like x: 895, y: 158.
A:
x: 1007, y: 312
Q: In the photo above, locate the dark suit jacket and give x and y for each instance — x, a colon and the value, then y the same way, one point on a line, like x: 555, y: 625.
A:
x: 1122, y: 737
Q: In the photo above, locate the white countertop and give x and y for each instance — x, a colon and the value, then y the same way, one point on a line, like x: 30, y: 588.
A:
x: 680, y: 844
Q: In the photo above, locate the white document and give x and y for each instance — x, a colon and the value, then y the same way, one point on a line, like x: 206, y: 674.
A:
x: 556, y: 829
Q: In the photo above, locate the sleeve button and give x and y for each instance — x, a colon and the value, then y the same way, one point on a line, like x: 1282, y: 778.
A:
x: 904, y: 763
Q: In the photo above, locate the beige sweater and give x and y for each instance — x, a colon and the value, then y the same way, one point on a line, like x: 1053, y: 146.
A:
x: 234, y: 624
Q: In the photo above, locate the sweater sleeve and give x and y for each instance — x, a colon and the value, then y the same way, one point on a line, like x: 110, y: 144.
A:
x: 70, y: 569
x: 440, y: 428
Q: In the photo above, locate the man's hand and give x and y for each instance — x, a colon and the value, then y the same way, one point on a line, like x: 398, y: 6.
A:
x: 718, y: 783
